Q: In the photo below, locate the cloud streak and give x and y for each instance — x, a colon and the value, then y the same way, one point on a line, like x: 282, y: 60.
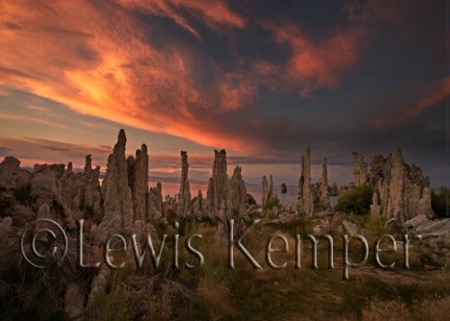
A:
x: 215, y: 13
x: 432, y: 94
x: 313, y: 64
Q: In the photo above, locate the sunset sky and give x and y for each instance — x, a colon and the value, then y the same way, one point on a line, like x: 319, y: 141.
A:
x: 262, y: 79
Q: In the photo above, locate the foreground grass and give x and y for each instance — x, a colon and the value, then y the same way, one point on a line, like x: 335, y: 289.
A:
x: 214, y: 292
x: 245, y: 293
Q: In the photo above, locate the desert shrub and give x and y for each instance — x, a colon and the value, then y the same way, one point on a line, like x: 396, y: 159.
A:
x: 435, y: 309
x: 188, y: 225
x: 440, y: 202
x: 271, y: 203
x: 111, y: 302
x: 356, y: 201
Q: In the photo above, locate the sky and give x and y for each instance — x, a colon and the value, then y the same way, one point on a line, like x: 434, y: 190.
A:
x: 261, y: 79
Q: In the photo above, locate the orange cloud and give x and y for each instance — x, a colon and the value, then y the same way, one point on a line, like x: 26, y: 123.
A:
x: 99, y: 61
x: 314, y: 64
x: 237, y: 91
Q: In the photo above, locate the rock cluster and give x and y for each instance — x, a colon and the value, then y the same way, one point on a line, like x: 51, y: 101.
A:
x: 401, y: 192
x: 123, y: 203
x: 118, y: 202
x: 226, y: 198
x: 435, y: 233
x: 52, y: 191
x: 128, y: 204
x: 138, y: 182
x: 312, y: 198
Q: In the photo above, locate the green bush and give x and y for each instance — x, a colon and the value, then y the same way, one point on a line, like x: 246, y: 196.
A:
x: 111, y: 302
x: 356, y: 201
x: 440, y: 202
x: 271, y: 203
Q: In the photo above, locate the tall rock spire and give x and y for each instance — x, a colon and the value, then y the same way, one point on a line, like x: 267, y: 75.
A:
x: 118, y: 204
x: 184, y: 196
x: 305, y: 203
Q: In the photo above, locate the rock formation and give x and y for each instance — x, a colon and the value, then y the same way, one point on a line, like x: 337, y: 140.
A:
x: 67, y: 195
x: 305, y: 202
x: 197, y: 205
x: 236, y: 195
x: 184, y: 196
x: 324, y: 196
x: 11, y: 176
x: 271, y: 195
x: 70, y: 187
x: 155, y: 203
x: 90, y: 196
x: 283, y: 188
x: 268, y: 196
x: 435, y: 234
x: 313, y: 199
x: 118, y: 203
x: 360, y: 171
x: 138, y: 182
x: 265, y: 191
x: 375, y: 208
x: 234, y: 206
x: 401, y: 190
x: 217, y: 184
x: 46, y: 189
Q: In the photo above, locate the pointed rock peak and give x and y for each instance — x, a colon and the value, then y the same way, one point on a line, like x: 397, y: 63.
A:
x: 88, y: 162
x: 218, y: 153
x: 144, y: 148
x: 398, y: 155
x: 122, y: 139
x: 69, y: 166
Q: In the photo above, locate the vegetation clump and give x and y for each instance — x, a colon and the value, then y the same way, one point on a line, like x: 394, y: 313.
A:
x: 356, y: 201
x: 271, y: 203
x: 440, y: 202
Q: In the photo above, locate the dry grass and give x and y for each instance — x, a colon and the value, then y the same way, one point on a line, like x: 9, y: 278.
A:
x: 435, y: 309
x: 213, y: 292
